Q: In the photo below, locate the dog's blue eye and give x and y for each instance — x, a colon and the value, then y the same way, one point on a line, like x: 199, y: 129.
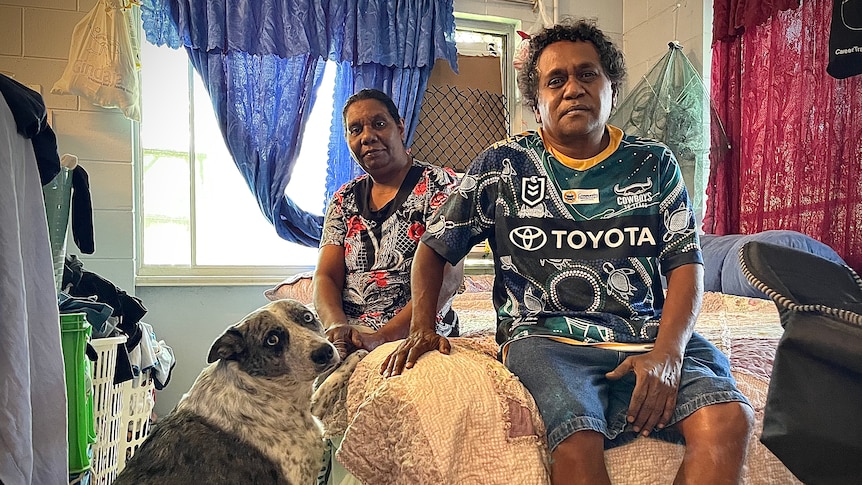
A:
x: 272, y: 339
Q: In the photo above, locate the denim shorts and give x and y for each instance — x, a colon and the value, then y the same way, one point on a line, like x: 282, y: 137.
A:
x: 570, y: 389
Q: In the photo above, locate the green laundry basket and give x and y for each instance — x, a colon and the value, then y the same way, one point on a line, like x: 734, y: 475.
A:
x: 79, y: 389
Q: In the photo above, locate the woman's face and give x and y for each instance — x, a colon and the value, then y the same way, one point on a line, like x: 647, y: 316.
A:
x: 375, y: 138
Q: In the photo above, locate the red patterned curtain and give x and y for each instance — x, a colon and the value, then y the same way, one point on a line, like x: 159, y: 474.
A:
x: 795, y: 133
x: 732, y: 17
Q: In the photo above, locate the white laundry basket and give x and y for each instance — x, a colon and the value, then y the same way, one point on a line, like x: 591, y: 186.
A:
x: 107, y: 400
x: 138, y: 402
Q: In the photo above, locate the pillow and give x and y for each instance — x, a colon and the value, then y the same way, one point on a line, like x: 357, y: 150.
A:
x: 458, y: 418
x: 296, y: 287
x: 734, y: 282
x: 715, y: 249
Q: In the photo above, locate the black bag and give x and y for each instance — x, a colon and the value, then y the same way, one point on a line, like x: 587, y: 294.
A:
x: 813, y: 416
x: 845, y: 39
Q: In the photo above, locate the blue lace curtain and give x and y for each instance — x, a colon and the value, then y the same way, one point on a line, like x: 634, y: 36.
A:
x: 262, y: 60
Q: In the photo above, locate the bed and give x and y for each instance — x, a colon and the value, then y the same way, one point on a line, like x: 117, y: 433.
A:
x: 479, y: 425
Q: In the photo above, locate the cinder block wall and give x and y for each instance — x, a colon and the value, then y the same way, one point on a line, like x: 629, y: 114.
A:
x: 34, y: 48
x: 648, y: 26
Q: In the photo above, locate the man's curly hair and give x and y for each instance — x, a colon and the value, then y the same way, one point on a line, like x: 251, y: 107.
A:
x: 578, y: 30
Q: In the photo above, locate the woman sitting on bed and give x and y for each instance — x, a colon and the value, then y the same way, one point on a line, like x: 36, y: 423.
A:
x: 371, y: 231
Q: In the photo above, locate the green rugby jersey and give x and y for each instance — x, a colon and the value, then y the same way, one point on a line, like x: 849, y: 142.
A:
x: 577, y: 253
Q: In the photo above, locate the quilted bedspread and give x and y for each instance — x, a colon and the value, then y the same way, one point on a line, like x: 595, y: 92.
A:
x: 465, y: 419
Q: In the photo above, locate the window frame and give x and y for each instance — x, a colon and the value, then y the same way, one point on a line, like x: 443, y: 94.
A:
x: 263, y: 275
x: 504, y: 27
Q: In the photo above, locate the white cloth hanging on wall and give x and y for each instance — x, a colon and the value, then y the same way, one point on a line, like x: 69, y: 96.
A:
x: 33, y: 447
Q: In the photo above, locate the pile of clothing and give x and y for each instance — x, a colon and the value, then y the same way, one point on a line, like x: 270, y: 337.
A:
x: 112, y: 312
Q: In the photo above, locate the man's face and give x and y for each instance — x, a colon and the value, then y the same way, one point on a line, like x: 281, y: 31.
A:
x: 574, y: 93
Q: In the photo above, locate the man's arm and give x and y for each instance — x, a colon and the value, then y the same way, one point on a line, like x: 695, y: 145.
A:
x: 658, y: 371
x: 426, y: 282
x: 398, y: 327
x: 681, y: 308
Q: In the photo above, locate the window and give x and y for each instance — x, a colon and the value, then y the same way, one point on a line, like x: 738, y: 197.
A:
x: 200, y: 219
x: 474, y: 35
x: 197, y: 220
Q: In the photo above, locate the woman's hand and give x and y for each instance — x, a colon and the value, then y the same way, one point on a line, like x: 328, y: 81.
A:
x: 350, y: 338
x: 410, y: 349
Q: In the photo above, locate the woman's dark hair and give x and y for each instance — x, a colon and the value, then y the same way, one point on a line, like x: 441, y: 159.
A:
x: 579, y: 30
x: 372, y: 94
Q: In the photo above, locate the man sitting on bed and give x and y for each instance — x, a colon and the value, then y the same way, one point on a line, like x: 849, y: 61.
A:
x: 581, y: 218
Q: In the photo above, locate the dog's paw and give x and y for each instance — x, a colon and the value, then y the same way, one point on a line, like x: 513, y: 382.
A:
x: 328, y: 403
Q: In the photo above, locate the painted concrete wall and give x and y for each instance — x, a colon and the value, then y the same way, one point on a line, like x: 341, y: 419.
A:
x: 34, y: 48
x: 648, y: 26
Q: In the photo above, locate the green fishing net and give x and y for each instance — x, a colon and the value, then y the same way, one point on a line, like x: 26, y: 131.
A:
x: 671, y: 104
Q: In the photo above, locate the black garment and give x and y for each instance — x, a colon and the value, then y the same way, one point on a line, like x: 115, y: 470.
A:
x: 79, y: 282
x: 31, y: 120
x: 811, y: 420
x: 82, y: 211
x: 128, y: 309
x: 845, y: 39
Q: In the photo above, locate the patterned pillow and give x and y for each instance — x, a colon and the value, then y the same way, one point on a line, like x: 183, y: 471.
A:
x: 296, y: 287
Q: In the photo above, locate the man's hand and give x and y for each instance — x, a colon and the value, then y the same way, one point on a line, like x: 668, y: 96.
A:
x: 411, y: 348
x: 350, y: 338
x: 657, y: 376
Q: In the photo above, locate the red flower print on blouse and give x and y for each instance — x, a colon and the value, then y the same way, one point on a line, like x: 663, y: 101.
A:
x: 354, y: 225
x: 415, y: 231
x: 370, y: 316
x: 438, y: 200
x: 379, y: 277
x: 421, y: 187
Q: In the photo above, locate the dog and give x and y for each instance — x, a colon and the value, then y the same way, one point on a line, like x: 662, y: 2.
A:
x: 246, y: 418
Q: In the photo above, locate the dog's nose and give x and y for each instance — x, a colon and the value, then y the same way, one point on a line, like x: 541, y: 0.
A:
x: 323, y: 354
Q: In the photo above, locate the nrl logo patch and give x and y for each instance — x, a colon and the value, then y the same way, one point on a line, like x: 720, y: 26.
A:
x: 533, y: 190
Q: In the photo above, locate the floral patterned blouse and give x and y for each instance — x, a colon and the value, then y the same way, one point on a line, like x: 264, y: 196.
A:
x: 379, y: 245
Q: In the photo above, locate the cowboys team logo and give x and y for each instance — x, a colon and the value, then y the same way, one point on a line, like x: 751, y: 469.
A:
x: 533, y: 190
x: 528, y: 238
x: 636, y: 194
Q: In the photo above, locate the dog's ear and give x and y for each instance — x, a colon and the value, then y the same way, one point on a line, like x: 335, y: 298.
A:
x: 227, y: 347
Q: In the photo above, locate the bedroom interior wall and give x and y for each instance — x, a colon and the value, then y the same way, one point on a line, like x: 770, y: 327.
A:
x: 648, y: 26
x: 34, y: 45
x: 34, y: 48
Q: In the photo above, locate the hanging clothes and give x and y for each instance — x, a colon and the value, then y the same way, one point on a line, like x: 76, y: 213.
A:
x: 33, y: 447
x: 31, y: 121
x: 845, y: 39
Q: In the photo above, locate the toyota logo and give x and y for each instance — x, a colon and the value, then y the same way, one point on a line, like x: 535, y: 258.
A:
x: 528, y: 238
